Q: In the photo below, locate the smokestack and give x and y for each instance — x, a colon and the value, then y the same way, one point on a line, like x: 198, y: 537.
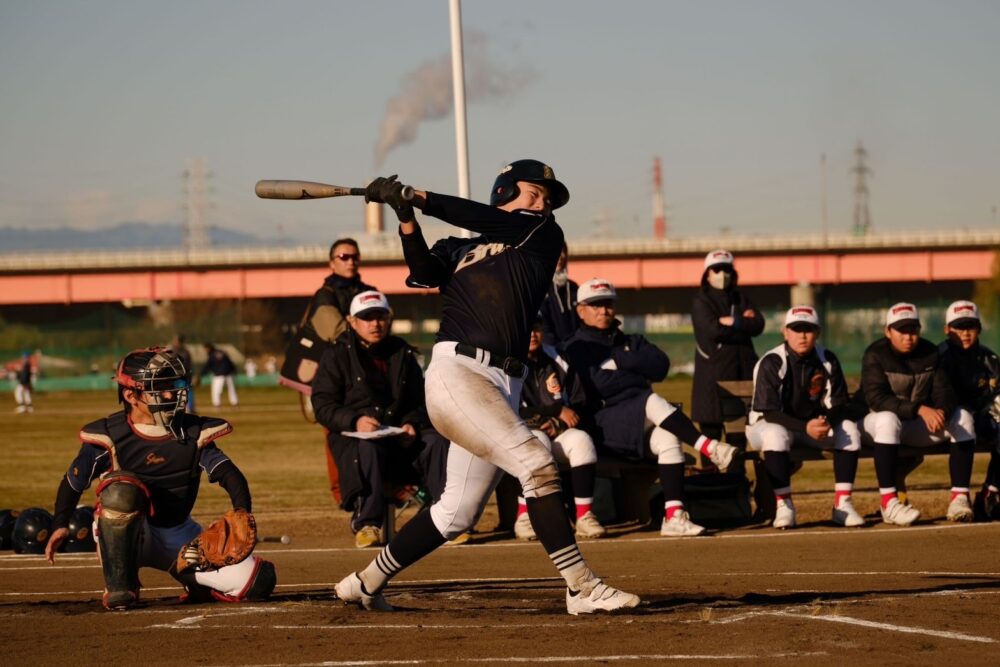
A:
x: 373, y: 219
x: 659, y: 214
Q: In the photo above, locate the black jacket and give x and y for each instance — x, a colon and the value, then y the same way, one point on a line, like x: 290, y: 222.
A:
x: 616, y: 398
x: 558, y: 312
x: 346, y: 388
x: 901, y: 384
x: 548, y: 388
x: 974, y: 374
x: 722, y: 352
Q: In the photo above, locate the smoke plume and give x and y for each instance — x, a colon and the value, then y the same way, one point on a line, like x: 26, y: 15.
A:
x: 427, y: 92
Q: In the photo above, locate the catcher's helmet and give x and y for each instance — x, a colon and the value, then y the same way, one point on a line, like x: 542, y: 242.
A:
x: 32, y: 530
x: 158, y: 374
x: 81, y: 531
x: 7, y: 520
x: 505, y: 187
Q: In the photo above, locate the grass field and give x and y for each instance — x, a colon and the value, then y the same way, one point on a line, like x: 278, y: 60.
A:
x: 282, y: 455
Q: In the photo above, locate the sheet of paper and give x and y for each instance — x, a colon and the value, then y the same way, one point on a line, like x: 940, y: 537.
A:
x: 383, y: 432
x: 609, y: 365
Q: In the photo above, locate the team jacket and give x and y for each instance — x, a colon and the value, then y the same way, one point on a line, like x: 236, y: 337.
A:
x: 974, y: 374
x: 902, y: 383
x: 548, y: 387
x: 637, y: 363
x: 790, y: 390
x: 722, y: 352
x: 171, y: 469
x: 491, y: 286
x: 348, y: 385
x: 616, y: 371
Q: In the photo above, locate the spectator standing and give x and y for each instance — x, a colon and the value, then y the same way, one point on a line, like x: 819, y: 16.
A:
x: 725, y: 323
x: 222, y: 369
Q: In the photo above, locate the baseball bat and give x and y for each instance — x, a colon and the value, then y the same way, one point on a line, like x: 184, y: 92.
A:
x: 309, y: 190
x: 282, y: 539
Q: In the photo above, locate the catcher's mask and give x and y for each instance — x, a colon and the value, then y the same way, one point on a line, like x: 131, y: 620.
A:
x: 505, y: 186
x: 159, y: 379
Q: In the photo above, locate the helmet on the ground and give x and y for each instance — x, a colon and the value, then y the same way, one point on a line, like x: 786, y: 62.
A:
x: 505, y: 186
x: 81, y: 531
x: 7, y: 520
x: 158, y: 374
x: 32, y: 531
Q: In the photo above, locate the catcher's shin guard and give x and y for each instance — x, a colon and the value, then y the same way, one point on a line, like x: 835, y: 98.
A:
x: 122, y: 505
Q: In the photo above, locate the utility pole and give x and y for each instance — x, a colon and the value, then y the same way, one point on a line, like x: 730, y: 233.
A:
x: 862, y: 218
x: 196, y: 190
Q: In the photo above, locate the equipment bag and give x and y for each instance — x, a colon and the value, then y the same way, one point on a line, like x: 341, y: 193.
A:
x: 718, y: 499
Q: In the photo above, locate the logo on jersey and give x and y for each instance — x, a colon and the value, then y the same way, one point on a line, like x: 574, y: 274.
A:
x: 554, y: 386
x: 816, y: 385
x: 479, y: 253
x: 152, y: 459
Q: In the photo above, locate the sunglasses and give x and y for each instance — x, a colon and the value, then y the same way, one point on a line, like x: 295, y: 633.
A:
x: 346, y: 257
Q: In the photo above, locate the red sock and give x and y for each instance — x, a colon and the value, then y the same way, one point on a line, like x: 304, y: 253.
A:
x: 703, y: 445
x: 582, y: 508
x: 838, y: 496
x: 672, y: 508
x: 956, y: 494
x: 888, y: 497
x: 522, y: 509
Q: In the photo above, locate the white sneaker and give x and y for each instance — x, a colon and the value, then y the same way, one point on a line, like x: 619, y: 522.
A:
x: 587, y: 526
x: 959, y: 509
x: 523, y: 530
x: 784, y: 514
x: 846, y: 515
x: 680, y: 525
x: 899, y: 514
x: 601, y: 598
x: 722, y: 455
x: 350, y: 589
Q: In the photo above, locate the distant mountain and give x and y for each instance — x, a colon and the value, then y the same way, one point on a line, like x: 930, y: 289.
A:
x: 127, y: 235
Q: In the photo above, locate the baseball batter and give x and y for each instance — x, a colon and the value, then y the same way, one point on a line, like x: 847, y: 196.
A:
x: 491, y: 287
x: 149, y: 458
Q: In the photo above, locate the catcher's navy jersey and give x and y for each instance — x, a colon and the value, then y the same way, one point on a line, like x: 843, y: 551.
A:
x: 491, y: 286
x: 169, y: 468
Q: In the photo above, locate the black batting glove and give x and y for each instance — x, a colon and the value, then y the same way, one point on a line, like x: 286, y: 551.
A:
x: 379, y: 188
x: 404, y: 212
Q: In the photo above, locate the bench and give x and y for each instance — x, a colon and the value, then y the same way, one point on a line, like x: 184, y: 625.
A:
x: 735, y: 397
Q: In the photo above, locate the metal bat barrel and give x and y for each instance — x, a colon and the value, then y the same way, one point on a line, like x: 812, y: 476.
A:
x: 302, y: 190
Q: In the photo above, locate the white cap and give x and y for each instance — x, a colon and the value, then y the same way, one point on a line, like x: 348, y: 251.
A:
x: 595, y: 289
x: 802, y: 315
x: 962, y: 312
x: 719, y: 256
x: 366, y: 301
x: 901, y: 314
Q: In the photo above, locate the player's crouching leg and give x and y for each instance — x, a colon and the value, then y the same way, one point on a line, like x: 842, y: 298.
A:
x: 251, y: 580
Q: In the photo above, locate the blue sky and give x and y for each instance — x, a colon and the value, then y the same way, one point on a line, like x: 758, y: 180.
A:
x: 104, y: 101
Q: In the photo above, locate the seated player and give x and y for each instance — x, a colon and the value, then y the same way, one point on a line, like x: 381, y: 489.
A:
x: 546, y: 400
x: 617, y: 371
x: 974, y: 371
x: 148, y: 458
x: 367, y: 380
x: 910, y: 400
x: 800, y: 398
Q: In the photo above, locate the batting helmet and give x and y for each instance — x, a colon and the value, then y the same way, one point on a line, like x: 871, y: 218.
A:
x: 7, y: 520
x: 31, y: 531
x: 159, y: 376
x: 505, y: 187
x: 81, y: 531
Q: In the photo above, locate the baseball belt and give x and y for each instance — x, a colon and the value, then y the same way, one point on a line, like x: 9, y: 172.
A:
x: 513, y: 367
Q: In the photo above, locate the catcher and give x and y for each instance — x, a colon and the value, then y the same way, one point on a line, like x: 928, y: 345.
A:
x: 148, y: 460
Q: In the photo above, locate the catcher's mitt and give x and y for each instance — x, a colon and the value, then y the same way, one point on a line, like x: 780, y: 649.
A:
x: 226, y: 541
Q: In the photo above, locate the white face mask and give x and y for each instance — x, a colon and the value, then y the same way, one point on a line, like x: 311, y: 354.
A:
x: 560, y: 278
x: 719, y: 279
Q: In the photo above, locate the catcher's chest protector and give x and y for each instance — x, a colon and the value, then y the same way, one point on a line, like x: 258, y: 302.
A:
x: 168, y: 467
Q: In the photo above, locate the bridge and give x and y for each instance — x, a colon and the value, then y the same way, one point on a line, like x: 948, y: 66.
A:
x: 632, y: 264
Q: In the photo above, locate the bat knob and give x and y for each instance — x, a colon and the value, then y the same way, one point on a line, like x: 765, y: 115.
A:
x: 407, y: 192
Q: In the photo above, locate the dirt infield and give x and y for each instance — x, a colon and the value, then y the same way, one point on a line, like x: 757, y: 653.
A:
x: 877, y: 595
